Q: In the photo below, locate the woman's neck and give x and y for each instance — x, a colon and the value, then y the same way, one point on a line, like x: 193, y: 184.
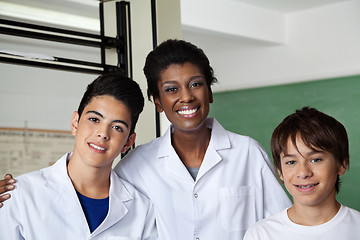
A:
x: 191, y: 146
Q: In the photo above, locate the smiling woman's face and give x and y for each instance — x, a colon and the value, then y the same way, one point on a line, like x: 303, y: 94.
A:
x: 184, y: 96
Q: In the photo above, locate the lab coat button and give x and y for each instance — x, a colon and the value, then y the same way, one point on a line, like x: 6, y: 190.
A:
x: 196, y: 195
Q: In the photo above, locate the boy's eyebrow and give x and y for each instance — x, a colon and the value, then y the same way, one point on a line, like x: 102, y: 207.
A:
x: 288, y: 155
x: 100, y: 115
x: 308, y: 154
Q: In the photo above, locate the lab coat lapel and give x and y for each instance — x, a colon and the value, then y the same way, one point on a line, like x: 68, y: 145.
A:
x: 119, y: 202
x: 64, y: 194
x: 174, y: 166
x: 219, y: 140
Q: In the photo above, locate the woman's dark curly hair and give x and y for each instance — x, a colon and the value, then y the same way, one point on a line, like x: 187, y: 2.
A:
x: 174, y: 51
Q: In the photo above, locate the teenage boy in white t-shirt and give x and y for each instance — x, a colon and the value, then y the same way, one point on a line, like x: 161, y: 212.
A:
x: 310, y: 151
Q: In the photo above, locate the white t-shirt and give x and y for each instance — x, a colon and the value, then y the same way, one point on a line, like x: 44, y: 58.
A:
x: 235, y: 186
x: 345, y: 225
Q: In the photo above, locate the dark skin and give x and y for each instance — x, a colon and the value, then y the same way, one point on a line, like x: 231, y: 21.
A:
x: 184, y: 96
x: 191, y: 149
x: 6, y: 184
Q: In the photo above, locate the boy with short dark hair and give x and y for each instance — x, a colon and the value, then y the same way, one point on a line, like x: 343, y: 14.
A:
x: 310, y: 151
x: 80, y: 196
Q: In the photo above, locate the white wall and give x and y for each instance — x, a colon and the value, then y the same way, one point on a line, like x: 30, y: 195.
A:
x: 311, y: 44
x: 233, y: 18
x: 36, y: 97
x: 320, y: 43
x: 45, y: 99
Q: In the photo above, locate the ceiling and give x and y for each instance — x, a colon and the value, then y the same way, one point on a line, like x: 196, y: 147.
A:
x: 65, y: 12
x: 288, y: 6
x: 89, y: 8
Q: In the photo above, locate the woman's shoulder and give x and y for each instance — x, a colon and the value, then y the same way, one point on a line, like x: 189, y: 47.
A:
x: 243, y: 140
x: 140, y: 198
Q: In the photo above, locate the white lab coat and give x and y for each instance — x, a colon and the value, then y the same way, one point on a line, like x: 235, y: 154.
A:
x: 235, y: 187
x: 44, y: 205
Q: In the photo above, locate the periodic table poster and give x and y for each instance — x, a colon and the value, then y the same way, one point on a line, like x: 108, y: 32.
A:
x: 26, y: 150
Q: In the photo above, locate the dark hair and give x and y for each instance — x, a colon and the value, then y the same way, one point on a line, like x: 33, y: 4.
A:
x: 121, y: 88
x: 174, y: 51
x: 317, y: 130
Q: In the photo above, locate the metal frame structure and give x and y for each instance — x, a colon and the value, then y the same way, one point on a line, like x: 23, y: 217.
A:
x: 122, y: 44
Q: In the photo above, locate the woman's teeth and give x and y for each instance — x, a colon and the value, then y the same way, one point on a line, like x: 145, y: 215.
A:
x: 187, y: 111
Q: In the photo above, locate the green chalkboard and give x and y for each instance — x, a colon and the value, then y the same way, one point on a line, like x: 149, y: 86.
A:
x: 256, y: 112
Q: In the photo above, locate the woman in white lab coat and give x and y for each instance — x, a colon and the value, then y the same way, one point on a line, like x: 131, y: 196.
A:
x: 80, y: 196
x: 205, y: 182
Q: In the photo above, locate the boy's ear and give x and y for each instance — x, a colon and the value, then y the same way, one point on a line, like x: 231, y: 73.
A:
x: 280, y: 174
x: 158, y: 105
x: 342, y: 168
x: 74, y: 123
x: 130, y: 141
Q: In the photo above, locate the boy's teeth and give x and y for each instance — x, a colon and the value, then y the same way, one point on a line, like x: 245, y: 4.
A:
x: 187, y: 112
x: 97, y: 147
x: 306, y: 186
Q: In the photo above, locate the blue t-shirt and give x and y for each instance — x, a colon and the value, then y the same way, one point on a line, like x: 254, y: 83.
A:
x: 95, y: 210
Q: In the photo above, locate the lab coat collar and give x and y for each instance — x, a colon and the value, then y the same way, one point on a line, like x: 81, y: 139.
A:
x: 174, y: 166
x: 118, y: 194
x: 219, y: 136
x: 219, y: 140
x: 65, y: 194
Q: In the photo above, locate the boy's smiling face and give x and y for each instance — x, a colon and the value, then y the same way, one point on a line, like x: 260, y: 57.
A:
x: 102, y: 132
x: 309, y: 175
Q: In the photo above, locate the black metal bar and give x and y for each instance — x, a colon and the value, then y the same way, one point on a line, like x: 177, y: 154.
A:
x: 49, y: 65
x: 49, y: 37
x: 122, y: 36
x: 129, y: 42
x: 27, y: 31
x: 78, y: 62
x: 102, y: 32
x: 154, y: 37
x: 48, y: 29
x: 154, y: 23
x: 22, y: 29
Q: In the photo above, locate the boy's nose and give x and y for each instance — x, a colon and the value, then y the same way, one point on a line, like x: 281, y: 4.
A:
x: 102, y: 133
x: 105, y: 137
x: 304, y: 171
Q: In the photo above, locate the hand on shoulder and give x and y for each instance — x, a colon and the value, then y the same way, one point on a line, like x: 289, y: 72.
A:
x: 7, y: 184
